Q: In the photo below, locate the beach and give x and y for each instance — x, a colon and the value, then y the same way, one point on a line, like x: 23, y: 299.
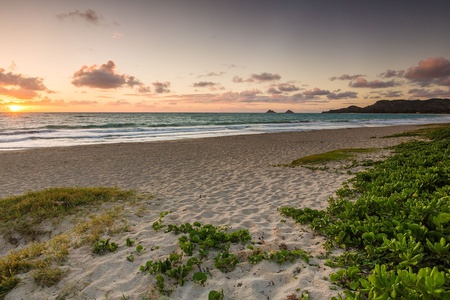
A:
x: 232, y: 180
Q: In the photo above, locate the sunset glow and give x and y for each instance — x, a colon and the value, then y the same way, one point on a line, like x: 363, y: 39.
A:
x: 15, y: 108
x: 221, y: 56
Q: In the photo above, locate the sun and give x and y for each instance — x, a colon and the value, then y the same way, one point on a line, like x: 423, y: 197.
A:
x: 15, y: 108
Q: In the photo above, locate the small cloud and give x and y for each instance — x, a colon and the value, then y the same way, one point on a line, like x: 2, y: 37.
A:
x: 346, y: 77
x: 433, y: 71
x: 274, y: 91
x: 375, y: 84
x: 117, y: 35
x: 89, y: 16
x: 82, y: 102
x: 392, y: 94
x: 392, y: 73
x: 424, y: 93
x: 20, y: 86
x: 13, y: 66
x: 250, y: 93
x: 237, y: 79
x: 263, y: 77
x: 205, y: 84
x: 161, y: 87
x: 282, y: 88
x: 212, y: 74
x: 103, y: 77
x: 316, y: 92
x: 118, y: 103
x: 342, y: 95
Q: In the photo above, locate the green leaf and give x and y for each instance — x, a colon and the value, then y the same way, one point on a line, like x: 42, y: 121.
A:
x: 199, y: 277
x: 215, y: 295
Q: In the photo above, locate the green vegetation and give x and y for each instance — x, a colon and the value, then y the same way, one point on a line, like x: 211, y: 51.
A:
x: 22, y: 216
x: 336, y: 155
x: 196, y: 242
x: 394, y: 222
x: 215, y: 295
x: 101, y: 246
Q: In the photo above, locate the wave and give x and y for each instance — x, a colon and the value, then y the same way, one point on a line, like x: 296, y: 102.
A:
x: 52, y: 130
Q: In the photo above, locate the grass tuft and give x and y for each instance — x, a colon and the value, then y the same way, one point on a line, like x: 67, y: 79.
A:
x: 21, y: 216
x: 336, y: 155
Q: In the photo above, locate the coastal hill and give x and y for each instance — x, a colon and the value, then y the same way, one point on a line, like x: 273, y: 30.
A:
x: 431, y: 106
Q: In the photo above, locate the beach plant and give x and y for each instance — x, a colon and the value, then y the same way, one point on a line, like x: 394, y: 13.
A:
x: 21, y: 218
x: 225, y: 261
x: 215, y: 295
x: 129, y: 242
x: 199, y: 277
x: 157, y: 225
x: 102, y: 246
x: 48, y: 276
x: 139, y: 249
x: 37, y: 256
x: 35, y: 207
x: 393, y: 219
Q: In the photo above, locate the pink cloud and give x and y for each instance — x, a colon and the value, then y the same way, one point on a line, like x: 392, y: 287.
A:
x: 316, y: 92
x: 20, y: 86
x: 432, y: 71
x: 425, y: 93
x: 375, y: 84
x: 104, y: 77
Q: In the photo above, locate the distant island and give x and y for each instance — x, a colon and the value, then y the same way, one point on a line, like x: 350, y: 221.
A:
x: 430, y: 106
x: 274, y: 112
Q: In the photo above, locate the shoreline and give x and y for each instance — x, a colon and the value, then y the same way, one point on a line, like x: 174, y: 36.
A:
x: 39, y: 168
x: 224, y: 181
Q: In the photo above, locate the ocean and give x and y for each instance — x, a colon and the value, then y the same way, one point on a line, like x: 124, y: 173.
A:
x: 20, y: 131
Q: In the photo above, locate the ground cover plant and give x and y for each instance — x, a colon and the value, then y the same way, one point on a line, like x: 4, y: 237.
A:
x: 195, y: 243
x: 394, y: 222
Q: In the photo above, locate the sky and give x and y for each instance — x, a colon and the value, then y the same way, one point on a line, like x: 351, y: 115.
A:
x: 220, y: 55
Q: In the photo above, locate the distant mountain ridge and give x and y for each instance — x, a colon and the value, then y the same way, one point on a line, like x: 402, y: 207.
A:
x: 430, y: 106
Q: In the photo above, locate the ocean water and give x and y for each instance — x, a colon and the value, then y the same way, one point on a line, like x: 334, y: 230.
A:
x: 20, y: 131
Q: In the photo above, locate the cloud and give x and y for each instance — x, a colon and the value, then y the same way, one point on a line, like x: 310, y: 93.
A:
x: 343, y: 95
x: 237, y: 79
x: 346, y: 77
x: 20, y: 86
x: 89, y: 16
x: 82, y: 102
x: 283, y: 88
x: 118, y: 103
x: 250, y: 93
x: 212, y: 74
x: 392, y: 73
x: 432, y: 71
x: 316, y: 92
x: 263, y: 77
x: 274, y: 91
x: 143, y: 89
x: 375, y: 84
x: 205, y: 84
x: 424, y: 93
x: 392, y: 94
x: 161, y: 87
x: 104, y: 77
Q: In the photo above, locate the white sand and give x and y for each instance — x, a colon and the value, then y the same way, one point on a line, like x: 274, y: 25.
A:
x: 222, y: 181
